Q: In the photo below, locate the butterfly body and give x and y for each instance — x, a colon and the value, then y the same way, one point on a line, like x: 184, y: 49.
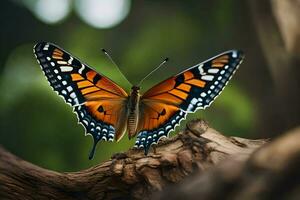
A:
x: 107, y: 111
x: 133, y: 113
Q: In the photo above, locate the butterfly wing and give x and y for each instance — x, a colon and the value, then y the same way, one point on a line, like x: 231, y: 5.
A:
x: 166, y: 104
x: 98, y: 102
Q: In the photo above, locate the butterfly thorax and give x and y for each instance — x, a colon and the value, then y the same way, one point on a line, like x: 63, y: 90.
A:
x: 133, y: 111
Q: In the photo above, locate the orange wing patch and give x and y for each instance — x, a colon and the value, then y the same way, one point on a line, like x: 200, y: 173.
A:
x: 101, y: 94
x: 105, y: 111
x: 196, y: 82
x: 90, y: 75
x: 107, y: 84
x: 168, y: 98
x: 57, y: 54
x: 160, y: 88
x: 166, y: 91
x: 110, y: 112
x: 155, y: 114
x: 221, y: 61
x: 95, y: 86
x: 89, y: 90
x: 76, y: 77
x: 184, y: 87
x: 178, y: 93
x: 84, y: 84
x: 188, y: 75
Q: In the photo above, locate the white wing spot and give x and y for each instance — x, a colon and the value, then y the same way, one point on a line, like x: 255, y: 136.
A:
x: 69, y: 88
x: 207, y: 77
x: 66, y: 68
x: 76, y: 101
x: 111, y: 134
x: 201, y: 69
x: 81, y: 114
x: 70, y: 60
x: 81, y: 69
x: 46, y: 47
x: 61, y: 62
x: 234, y: 54
x: 194, y: 101
x: 190, y: 107
x: 73, y: 95
x: 213, y: 71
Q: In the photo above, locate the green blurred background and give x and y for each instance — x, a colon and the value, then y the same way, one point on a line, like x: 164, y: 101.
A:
x: 39, y: 127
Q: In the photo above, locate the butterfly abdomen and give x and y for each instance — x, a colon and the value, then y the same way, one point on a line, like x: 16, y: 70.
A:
x: 133, y: 113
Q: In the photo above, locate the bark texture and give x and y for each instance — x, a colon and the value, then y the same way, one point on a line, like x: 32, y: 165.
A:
x: 129, y: 175
x: 272, y: 172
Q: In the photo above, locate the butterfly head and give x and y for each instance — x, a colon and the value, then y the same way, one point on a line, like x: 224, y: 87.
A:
x: 135, y: 88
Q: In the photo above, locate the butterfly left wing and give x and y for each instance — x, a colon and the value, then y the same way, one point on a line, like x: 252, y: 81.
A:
x: 98, y: 102
x: 166, y: 104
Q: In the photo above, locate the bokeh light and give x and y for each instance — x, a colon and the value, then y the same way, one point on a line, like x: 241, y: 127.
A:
x: 102, y: 13
x: 49, y: 11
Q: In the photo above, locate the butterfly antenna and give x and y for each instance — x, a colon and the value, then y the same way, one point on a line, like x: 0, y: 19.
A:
x: 111, y: 60
x: 160, y: 65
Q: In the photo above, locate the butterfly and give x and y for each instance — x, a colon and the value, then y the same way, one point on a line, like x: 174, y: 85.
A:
x: 107, y: 111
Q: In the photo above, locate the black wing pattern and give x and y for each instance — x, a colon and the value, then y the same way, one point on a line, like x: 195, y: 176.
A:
x: 193, y: 89
x: 80, y: 85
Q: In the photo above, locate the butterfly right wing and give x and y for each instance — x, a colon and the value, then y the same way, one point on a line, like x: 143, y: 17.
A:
x: 167, y: 103
x: 98, y: 102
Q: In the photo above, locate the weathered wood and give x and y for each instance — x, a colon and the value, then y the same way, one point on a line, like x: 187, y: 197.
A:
x: 126, y: 175
x: 272, y: 172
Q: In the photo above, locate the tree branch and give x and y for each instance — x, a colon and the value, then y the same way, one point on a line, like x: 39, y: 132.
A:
x: 126, y: 175
x: 271, y: 172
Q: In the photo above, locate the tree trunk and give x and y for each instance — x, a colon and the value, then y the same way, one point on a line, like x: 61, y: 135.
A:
x: 277, y: 25
x: 129, y: 175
